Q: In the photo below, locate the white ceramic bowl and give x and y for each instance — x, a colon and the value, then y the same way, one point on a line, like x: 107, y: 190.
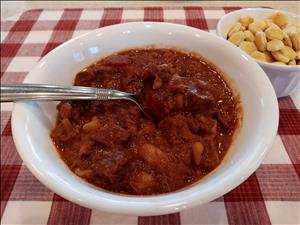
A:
x: 285, y: 79
x: 32, y: 122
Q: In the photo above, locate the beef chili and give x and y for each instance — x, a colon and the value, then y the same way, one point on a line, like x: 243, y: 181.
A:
x: 112, y: 145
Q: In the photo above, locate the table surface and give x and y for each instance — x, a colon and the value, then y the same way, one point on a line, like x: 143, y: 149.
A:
x: 10, y: 8
x: 269, y: 196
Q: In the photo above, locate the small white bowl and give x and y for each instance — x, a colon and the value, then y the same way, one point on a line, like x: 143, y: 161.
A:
x: 285, y: 79
x: 32, y: 122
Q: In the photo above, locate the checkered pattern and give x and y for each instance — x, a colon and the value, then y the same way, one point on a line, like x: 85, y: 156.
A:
x: 270, y: 196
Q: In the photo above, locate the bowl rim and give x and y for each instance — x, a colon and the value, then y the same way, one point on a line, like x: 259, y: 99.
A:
x: 158, y: 204
x: 266, y: 10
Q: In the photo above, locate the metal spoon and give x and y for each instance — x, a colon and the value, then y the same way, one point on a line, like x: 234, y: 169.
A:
x: 45, y: 92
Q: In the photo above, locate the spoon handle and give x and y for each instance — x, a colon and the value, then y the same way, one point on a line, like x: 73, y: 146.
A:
x: 45, y: 92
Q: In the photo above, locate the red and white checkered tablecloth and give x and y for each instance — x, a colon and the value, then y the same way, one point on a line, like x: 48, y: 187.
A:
x: 270, y: 196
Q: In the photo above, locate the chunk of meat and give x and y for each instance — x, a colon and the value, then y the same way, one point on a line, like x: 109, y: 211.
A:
x: 155, y: 103
x: 110, y: 135
x: 128, y: 118
x: 64, y: 110
x: 163, y: 71
x: 108, y: 163
x: 102, y: 70
x: 141, y: 181
x: 117, y: 60
x: 63, y: 131
x: 92, y: 126
x: 85, y: 148
x: 206, y: 124
x: 84, y: 77
x: 185, y: 154
x: 176, y: 129
x: 131, y: 81
x: 178, y: 92
x: 180, y: 100
x: 157, y: 83
x: 225, y: 119
x: 197, y: 93
x: 210, y: 157
x: 199, y: 101
x: 147, y: 127
x: 160, y: 160
x: 152, y: 155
